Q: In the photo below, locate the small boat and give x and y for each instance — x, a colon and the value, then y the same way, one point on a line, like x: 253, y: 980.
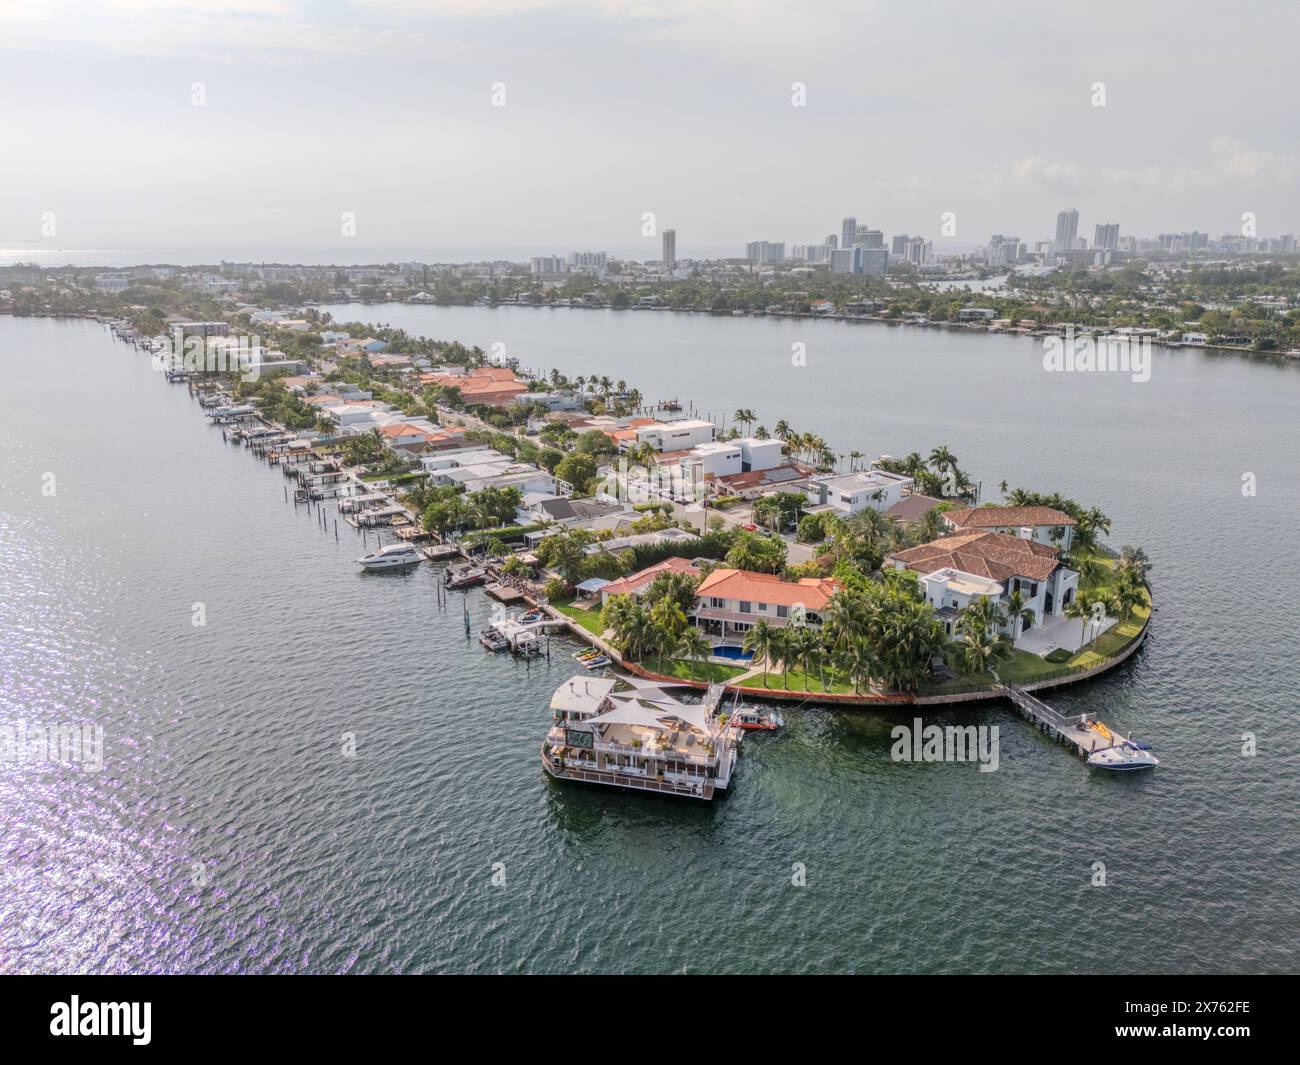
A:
x: 532, y: 616
x: 301, y: 495
x: 466, y: 578
x: 1123, y: 756
x: 595, y: 663
x: 391, y: 556
x: 588, y: 654
x: 755, y: 720
x: 493, y: 640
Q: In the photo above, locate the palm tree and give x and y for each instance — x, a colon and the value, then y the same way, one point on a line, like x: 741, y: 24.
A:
x: 854, y: 458
x: 692, y: 644
x: 859, y: 663
x: 744, y: 416
x: 758, y: 642
x: 780, y: 652
x: 981, y: 650
x: 1080, y: 609
x: 942, y: 459
x: 931, y: 526
x: 805, y: 647
x: 1018, y: 612
x: 782, y: 430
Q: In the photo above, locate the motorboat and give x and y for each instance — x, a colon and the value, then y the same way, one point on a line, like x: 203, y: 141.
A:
x: 493, y: 640
x: 391, y: 556
x: 754, y: 720
x: 1123, y: 756
x: 466, y: 578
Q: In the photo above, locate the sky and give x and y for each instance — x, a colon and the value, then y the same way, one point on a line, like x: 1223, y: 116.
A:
x: 201, y: 129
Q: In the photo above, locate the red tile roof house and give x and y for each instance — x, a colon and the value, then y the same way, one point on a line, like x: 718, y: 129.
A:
x: 495, y: 386
x: 1043, y: 524
x: 729, y: 602
x: 956, y: 570
x: 638, y: 582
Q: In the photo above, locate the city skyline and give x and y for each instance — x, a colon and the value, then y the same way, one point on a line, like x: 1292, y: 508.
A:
x: 484, y: 142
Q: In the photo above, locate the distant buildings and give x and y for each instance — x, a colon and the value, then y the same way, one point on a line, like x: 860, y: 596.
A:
x: 670, y: 249
x: 112, y: 282
x: 1067, y: 230
x: 848, y: 232
x: 763, y: 251
x: 548, y: 264
x: 1106, y: 237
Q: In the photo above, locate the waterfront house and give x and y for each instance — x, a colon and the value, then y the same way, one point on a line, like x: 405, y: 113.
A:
x: 681, y: 435
x: 850, y: 493
x: 636, y: 583
x: 1045, y: 525
x: 912, y: 508
x: 956, y: 570
x: 730, y: 601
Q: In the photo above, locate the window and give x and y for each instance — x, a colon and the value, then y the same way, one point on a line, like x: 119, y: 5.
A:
x: 783, y: 611
x: 716, y: 603
x: 746, y: 607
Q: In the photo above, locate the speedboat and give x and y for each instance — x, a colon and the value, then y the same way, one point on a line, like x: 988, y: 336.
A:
x: 754, y: 720
x: 493, y: 640
x: 466, y: 578
x: 1123, y: 756
x: 390, y: 556
x: 595, y: 663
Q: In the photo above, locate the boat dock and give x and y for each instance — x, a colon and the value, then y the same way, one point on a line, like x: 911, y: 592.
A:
x: 1082, y: 732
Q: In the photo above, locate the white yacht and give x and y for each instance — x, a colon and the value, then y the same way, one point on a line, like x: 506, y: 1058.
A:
x: 631, y: 733
x: 391, y: 556
x: 1123, y: 756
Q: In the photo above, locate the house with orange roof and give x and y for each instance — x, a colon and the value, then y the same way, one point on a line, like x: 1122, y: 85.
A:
x: 493, y: 386
x: 636, y: 583
x: 730, y: 602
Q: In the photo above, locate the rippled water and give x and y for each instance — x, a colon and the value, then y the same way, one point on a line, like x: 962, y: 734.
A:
x: 223, y: 760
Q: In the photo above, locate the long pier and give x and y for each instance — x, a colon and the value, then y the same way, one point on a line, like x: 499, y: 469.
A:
x: 1077, y: 731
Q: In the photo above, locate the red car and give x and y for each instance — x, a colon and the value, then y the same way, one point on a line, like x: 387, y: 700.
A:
x: 749, y: 526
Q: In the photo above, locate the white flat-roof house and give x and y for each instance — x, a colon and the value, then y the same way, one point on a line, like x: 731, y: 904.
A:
x: 758, y: 454
x: 850, y: 493
x: 1045, y: 525
x: 715, y: 459
x: 680, y: 435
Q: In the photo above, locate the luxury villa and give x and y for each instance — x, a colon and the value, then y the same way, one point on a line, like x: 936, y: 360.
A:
x: 731, y: 601
x: 972, y: 564
x: 1045, y: 525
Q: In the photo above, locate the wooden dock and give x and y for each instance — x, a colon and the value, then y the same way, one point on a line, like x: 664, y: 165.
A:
x: 1074, y: 731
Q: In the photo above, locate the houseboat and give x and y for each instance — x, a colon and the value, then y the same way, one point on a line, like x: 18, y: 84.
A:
x: 626, y: 732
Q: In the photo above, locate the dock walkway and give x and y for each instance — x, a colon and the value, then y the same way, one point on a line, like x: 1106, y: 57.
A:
x: 1073, y: 731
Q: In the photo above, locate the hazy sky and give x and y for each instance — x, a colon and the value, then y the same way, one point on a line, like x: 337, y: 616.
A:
x: 385, y: 108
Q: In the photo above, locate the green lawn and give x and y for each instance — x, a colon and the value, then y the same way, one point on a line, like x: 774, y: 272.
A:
x: 684, y: 670
x: 588, y: 619
x: 796, y: 680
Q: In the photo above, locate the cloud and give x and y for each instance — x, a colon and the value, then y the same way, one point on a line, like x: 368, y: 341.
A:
x: 1060, y: 178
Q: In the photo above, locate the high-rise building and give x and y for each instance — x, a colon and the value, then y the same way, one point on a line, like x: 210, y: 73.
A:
x: 589, y: 259
x: 832, y: 241
x: 1106, y: 236
x: 848, y: 232
x: 1067, y: 229
x: 872, y: 261
x: 899, y: 244
x: 1003, y: 250
x: 549, y: 264
x: 842, y: 261
x: 764, y: 251
x: 670, y: 249
x: 869, y: 238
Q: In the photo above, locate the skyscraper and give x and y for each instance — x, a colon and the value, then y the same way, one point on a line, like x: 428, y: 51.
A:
x: 1106, y: 236
x: 670, y: 248
x: 1067, y: 228
x: 848, y: 232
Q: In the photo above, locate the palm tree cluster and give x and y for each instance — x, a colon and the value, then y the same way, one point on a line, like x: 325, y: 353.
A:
x: 937, y: 476
x: 982, y: 645
x: 884, y: 637
x: 657, y: 622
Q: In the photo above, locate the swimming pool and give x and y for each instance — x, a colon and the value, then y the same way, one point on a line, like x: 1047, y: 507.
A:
x: 739, y: 654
